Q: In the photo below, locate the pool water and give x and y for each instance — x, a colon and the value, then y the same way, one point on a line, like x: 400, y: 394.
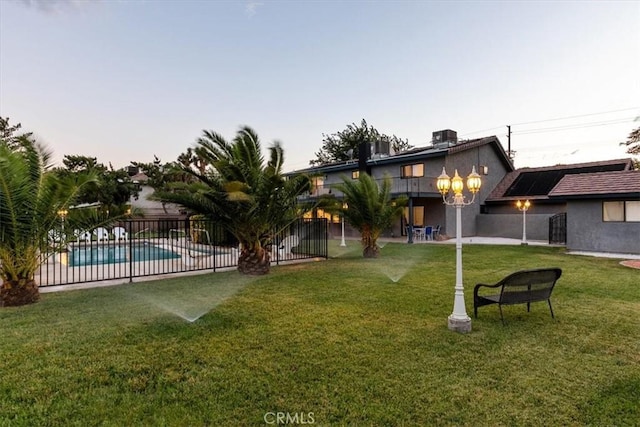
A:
x: 96, y: 255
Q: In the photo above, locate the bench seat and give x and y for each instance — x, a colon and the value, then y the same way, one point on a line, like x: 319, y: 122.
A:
x: 521, y: 287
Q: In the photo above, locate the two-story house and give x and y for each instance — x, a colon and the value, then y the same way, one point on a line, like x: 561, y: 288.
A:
x: 414, y: 173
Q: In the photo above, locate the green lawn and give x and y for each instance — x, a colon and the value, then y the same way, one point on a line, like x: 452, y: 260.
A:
x: 346, y: 341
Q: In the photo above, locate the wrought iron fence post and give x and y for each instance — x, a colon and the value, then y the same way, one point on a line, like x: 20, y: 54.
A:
x: 214, y: 247
x: 130, y: 245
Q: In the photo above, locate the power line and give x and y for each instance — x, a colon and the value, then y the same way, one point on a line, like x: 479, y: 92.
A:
x: 551, y: 120
x: 574, y: 117
x: 572, y: 127
x: 484, y: 130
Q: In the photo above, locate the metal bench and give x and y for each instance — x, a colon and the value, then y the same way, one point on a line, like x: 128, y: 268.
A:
x: 521, y: 287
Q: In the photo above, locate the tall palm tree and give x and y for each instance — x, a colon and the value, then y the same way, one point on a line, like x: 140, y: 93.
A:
x: 31, y: 196
x: 248, y: 195
x: 370, y: 209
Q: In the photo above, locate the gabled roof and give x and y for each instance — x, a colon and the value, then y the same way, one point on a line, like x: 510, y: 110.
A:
x: 414, y: 155
x: 140, y: 177
x: 537, y: 183
x: 599, y: 185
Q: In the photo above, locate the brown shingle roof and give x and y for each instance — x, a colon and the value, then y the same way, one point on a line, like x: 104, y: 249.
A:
x: 500, y: 192
x: 602, y: 183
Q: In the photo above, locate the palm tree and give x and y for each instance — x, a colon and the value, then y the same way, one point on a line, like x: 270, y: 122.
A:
x: 31, y: 196
x: 370, y: 209
x: 248, y: 196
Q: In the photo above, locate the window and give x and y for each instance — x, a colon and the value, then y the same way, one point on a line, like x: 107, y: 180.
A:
x: 632, y: 211
x: 621, y: 211
x: 317, y: 181
x: 320, y: 213
x: 317, y: 186
x: 613, y: 211
x: 418, y: 216
x: 413, y: 171
x: 355, y: 174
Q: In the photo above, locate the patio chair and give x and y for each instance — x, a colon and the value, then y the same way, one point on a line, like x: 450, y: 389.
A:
x: 102, y: 234
x: 120, y: 234
x: 436, y: 232
x: 82, y: 236
x: 54, y: 236
x: 428, y: 232
x: 287, y: 245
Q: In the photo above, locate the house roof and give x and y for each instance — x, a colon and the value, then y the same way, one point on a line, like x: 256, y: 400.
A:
x: 598, y: 185
x: 537, y: 183
x: 415, y: 154
x: 140, y: 177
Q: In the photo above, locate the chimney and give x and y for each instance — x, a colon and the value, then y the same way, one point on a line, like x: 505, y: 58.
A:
x: 364, y: 154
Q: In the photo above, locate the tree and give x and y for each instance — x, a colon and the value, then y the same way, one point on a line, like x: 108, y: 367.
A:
x: 633, y: 144
x: 335, y: 147
x: 398, y: 145
x: 31, y: 195
x: 192, y: 158
x: 370, y: 209
x: 248, y: 196
x: 113, y: 190
x: 9, y: 133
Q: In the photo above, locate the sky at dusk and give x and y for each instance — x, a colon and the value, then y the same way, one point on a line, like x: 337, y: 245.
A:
x: 126, y: 80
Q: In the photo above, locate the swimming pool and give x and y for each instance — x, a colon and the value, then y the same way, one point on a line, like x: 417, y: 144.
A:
x: 107, y: 254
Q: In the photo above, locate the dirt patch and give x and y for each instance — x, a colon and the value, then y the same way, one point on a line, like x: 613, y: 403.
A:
x: 633, y: 263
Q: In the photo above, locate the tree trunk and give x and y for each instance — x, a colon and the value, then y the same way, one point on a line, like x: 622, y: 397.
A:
x: 371, y: 251
x: 17, y: 293
x: 254, y: 262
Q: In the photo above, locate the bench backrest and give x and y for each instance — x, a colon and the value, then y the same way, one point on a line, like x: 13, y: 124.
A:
x: 529, y: 285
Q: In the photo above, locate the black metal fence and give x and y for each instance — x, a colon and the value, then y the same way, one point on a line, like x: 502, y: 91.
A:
x: 138, y: 248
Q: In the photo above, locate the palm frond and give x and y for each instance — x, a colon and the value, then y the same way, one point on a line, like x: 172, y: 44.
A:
x: 31, y: 195
x: 371, y: 208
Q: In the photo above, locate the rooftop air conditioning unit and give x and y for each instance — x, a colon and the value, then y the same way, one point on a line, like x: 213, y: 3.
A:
x: 444, y: 138
x: 381, y: 147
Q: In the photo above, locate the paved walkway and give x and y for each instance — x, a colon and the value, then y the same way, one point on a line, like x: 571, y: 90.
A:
x: 476, y: 240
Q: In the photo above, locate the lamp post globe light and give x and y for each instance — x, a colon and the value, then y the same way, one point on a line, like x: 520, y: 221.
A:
x: 63, y: 214
x: 524, y: 207
x: 342, y: 242
x: 459, y: 321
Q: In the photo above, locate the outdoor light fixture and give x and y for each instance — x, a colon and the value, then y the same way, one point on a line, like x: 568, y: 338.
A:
x: 63, y: 214
x: 459, y: 321
x: 344, y: 208
x: 524, y: 207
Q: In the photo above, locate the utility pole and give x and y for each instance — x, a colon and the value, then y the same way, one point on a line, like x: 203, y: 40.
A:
x: 509, y: 142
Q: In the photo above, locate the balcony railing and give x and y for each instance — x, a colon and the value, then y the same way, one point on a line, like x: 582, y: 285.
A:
x: 421, y: 185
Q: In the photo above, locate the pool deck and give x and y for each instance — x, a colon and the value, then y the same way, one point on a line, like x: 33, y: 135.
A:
x: 57, y: 275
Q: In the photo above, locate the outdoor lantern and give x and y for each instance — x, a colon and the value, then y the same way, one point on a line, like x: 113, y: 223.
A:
x: 457, y: 184
x: 474, y: 182
x: 443, y: 183
x: 526, y: 205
